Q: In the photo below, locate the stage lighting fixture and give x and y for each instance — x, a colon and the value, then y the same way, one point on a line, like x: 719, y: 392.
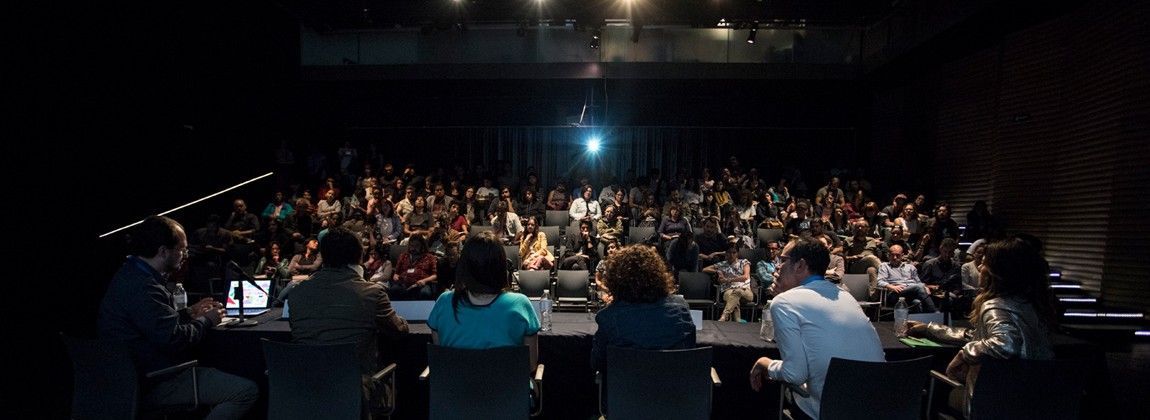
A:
x: 593, y: 145
x: 751, y: 35
x: 595, y: 35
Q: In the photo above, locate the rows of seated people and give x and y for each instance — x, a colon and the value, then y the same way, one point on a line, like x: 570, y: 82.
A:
x: 692, y: 221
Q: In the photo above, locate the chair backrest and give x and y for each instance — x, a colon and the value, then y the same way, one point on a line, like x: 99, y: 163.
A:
x: 636, y: 383
x: 474, y: 230
x: 695, y: 285
x: 552, y: 233
x: 858, y: 285
x: 572, y: 284
x: 106, y: 383
x: 310, y: 381
x: 768, y: 235
x: 752, y: 255
x: 556, y: 218
x: 479, y: 384
x: 533, y: 282
x: 1028, y: 389
x: 881, y: 390
x: 512, y: 252
x: 639, y: 234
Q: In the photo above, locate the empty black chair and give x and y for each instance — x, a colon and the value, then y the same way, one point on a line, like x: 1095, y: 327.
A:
x: 1024, y: 389
x: 533, y: 282
x: 869, y: 390
x: 572, y: 289
x: 512, y: 252
x: 659, y: 384
x: 552, y: 233
x: 639, y: 234
x: 556, y: 218
x: 311, y: 381
x: 106, y: 383
x: 698, y: 289
x: 481, y: 384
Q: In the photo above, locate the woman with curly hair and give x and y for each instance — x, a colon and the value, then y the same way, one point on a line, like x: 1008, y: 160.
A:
x: 643, y: 314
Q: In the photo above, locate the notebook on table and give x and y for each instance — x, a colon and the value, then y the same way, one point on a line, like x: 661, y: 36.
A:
x: 256, y: 301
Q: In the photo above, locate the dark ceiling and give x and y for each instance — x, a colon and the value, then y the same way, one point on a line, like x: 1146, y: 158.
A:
x: 378, y: 14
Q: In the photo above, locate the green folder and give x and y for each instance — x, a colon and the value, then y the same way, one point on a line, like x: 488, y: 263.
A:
x: 919, y: 342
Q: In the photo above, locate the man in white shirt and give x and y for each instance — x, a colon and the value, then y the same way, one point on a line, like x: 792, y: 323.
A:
x: 814, y: 321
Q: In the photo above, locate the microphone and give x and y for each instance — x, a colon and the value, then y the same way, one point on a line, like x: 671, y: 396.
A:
x: 234, y: 266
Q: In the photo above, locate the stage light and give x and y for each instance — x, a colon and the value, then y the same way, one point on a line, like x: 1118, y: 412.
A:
x: 595, y: 39
x: 593, y: 145
x: 751, y: 36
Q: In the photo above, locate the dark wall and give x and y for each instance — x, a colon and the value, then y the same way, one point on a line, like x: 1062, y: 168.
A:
x: 1045, y: 123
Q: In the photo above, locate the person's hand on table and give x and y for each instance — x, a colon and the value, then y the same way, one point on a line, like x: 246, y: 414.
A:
x: 758, y: 372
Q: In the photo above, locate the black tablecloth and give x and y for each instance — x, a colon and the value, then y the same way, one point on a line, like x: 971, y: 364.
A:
x: 569, y: 390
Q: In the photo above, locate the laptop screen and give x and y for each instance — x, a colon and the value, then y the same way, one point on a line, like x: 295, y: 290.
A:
x: 253, y: 298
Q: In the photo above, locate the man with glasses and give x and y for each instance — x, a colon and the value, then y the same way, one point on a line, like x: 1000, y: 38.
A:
x: 813, y: 319
x: 138, y: 310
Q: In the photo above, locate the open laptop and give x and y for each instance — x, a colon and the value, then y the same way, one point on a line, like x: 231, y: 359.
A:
x: 416, y: 311
x: 256, y: 301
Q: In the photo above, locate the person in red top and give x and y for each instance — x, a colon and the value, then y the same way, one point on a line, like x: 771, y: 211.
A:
x: 415, y: 273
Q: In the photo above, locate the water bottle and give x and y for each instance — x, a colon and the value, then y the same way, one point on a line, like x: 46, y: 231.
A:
x: 180, y: 296
x: 545, y: 309
x: 767, y: 328
x: 901, y: 313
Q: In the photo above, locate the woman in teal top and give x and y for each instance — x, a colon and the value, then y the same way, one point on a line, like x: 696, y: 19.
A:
x: 481, y: 312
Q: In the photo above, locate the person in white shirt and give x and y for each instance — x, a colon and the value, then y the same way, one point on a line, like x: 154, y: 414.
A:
x: 814, y: 321
x: 585, y: 208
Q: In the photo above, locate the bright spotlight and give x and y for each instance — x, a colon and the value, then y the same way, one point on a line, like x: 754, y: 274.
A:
x: 593, y: 145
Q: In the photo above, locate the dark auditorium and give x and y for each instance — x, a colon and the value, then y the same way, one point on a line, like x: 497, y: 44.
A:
x: 582, y: 209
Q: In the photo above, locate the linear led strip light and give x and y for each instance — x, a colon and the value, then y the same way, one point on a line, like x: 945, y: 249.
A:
x: 1103, y: 315
x: 194, y: 202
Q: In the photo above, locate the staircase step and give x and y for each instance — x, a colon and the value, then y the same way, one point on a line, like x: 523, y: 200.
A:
x: 1109, y: 335
x: 1103, y: 315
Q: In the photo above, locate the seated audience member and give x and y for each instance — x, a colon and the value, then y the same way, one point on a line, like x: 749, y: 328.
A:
x: 533, y: 251
x: 901, y: 279
x: 672, y: 226
x: 734, y: 283
x: 506, y: 225
x: 610, y: 226
x: 836, y: 267
x: 682, y: 253
x: 278, y: 209
x: 941, y: 227
x: 767, y: 269
x: 558, y: 199
x: 585, y: 207
x: 274, y: 264
x: 531, y: 206
x: 942, y: 273
x: 813, y: 319
x: 377, y: 268
x: 418, y: 222
x: 600, y: 286
x: 862, y: 254
x: 329, y: 206
x: 338, y: 306
x: 504, y: 198
x: 897, y: 237
x: 642, y: 314
x: 137, y: 309
x: 388, y: 226
x: 415, y: 273
x: 579, y: 249
x: 970, y: 271
x: 1012, y: 318
x: 308, y: 261
x: 481, y: 312
x: 712, y: 243
x: 800, y: 222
